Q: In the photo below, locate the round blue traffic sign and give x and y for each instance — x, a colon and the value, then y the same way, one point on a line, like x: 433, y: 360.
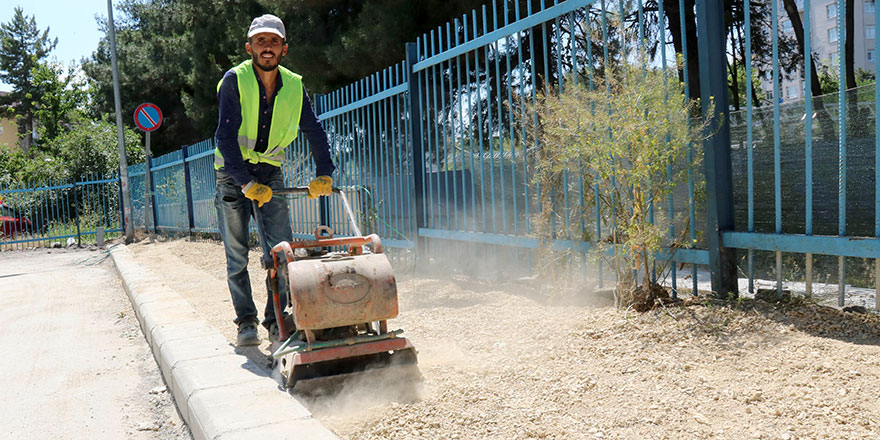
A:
x: 147, y: 116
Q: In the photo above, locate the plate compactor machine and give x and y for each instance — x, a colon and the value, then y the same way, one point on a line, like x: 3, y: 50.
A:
x: 338, y: 306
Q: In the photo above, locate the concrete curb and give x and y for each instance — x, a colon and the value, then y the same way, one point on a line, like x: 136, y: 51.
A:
x: 221, y: 395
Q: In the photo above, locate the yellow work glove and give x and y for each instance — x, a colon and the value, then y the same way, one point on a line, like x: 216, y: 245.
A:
x: 321, y: 186
x: 257, y: 192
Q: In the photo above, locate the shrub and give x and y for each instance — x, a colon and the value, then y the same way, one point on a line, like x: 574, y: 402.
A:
x: 629, y: 137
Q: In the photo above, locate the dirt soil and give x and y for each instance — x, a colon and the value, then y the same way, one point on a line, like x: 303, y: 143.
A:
x: 517, y: 361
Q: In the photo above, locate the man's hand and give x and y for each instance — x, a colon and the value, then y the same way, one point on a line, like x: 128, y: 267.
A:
x: 257, y: 192
x: 321, y: 186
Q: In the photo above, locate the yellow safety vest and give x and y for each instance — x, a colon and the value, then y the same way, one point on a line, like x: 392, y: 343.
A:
x: 286, y: 112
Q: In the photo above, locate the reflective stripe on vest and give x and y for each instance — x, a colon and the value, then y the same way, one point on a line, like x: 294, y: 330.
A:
x: 286, y: 111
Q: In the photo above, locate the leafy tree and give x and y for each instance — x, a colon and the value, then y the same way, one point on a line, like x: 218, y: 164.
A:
x: 17, y: 166
x: 91, y: 147
x: 61, y: 102
x: 757, y: 92
x: 172, y: 53
x: 760, y: 17
x: 22, y: 46
x: 154, y: 62
x: 86, y: 147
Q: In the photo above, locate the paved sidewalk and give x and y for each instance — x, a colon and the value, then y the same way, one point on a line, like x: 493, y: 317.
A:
x: 74, y: 365
x: 220, y: 394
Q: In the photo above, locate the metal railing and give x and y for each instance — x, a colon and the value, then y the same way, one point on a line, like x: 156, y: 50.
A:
x: 45, y: 213
x: 440, y: 153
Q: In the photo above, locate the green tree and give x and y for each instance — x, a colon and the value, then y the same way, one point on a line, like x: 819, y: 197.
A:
x: 90, y: 147
x: 22, y: 46
x: 757, y: 93
x: 86, y: 147
x: 173, y: 52
x: 60, y: 104
x: 154, y: 59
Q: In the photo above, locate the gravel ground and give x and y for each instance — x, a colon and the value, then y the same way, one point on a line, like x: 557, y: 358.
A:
x: 501, y: 361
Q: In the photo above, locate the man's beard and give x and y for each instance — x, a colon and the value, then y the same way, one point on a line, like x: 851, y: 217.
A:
x: 257, y: 62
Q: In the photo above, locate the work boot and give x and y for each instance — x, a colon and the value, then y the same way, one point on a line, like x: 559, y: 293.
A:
x: 247, y: 334
x: 275, y: 331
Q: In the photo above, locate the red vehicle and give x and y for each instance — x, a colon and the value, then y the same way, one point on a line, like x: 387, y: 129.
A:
x: 12, y: 223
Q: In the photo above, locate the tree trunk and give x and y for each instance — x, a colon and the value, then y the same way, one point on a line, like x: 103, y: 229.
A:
x: 848, y: 45
x: 825, y: 123
x: 851, y: 96
x: 693, y: 61
x: 734, y: 83
x: 736, y: 39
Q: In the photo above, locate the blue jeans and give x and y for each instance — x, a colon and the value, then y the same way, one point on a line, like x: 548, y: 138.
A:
x: 234, y: 212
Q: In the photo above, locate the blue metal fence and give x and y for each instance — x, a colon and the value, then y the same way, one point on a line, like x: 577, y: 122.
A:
x: 437, y: 147
x: 437, y: 156
x: 807, y: 177
x: 41, y: 214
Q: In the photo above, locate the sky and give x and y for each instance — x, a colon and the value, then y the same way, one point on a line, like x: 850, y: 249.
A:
x: 71, y: 21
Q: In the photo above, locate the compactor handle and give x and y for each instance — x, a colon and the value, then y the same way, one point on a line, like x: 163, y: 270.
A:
x: 301, y: 190
x: 336, y: 190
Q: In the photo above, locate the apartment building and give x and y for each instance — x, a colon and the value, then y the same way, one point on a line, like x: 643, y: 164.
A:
x: 825, y: 37
x: 8, y: 132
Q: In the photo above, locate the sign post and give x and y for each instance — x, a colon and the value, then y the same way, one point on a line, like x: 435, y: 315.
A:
x: 148, y: 117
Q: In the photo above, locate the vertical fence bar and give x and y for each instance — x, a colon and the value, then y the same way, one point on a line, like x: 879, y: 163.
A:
x: 490, y: 123
x: 455, y: 98
x: 511, y: 131
x: 692, y: 218
x: 777, y: 161
x: 535, y: 114
x: 77, y: 212
x: 500, y: 109
x: 391, y: 154
x: 749, y: 140
x: 876, y: 166
x: 522, y: 97
x: 437, y: 115
x: 479, y: 82
x: 187, y: 182
x: 152, y: 195
x: 122, y: 219
x: 808, y: 139
x: 713, y: 82
x: 391, y: 196
x: 470, y: 119
x: 447, y: 116
x: 425, y: 125
x: 670, y: 204
x: 607, y: 85
x: 841, y: 182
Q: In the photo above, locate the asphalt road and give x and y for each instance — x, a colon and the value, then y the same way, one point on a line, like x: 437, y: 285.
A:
x: 74, y: 363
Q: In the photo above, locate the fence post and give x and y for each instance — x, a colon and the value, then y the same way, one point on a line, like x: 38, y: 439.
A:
x: 76, y: 209
x: 413, y: 94
x: 122, y: 218
x: 151, y: 189
x: 716, y: 148
x: 187, y: 182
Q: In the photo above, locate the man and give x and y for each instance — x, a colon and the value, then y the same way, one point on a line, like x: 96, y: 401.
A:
x: 262, y: 107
